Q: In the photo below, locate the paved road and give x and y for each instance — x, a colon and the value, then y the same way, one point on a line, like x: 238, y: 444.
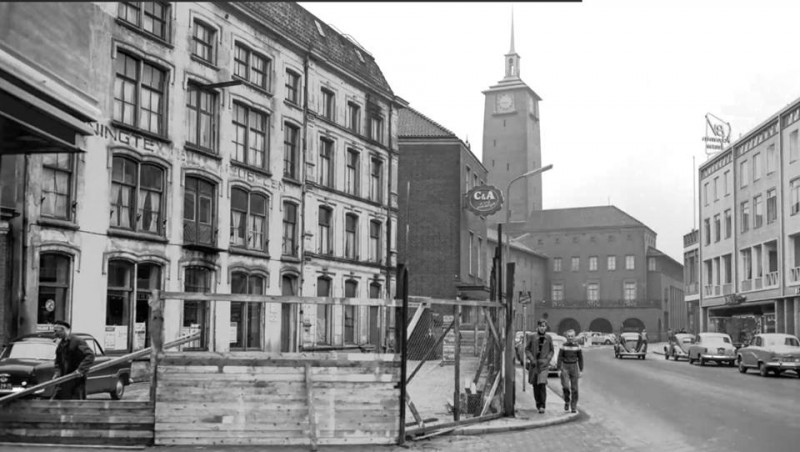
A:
x: 632, y: 405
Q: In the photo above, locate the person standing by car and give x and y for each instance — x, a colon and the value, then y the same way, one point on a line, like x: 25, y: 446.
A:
x: 539, y: 352
x: 642, y: 340
x: 570, y: 363
x: 72, y: 354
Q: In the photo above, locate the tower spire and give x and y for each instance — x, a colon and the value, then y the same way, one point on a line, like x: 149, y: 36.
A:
x: 511, y: 58
x: 512, y: 31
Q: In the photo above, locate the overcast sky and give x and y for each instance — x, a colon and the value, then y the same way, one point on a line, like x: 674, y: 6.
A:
x: 625, y: 84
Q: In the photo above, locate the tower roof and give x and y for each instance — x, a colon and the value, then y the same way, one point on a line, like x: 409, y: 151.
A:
x: 512, y: 31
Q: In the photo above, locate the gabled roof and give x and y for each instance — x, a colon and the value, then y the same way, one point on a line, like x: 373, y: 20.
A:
x: 581, y: 218
x: 413, y: 124
x: 491, y: 237
x: 291, y: 19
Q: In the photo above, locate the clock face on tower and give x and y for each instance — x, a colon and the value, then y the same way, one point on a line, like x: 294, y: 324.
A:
x: 505, y: 102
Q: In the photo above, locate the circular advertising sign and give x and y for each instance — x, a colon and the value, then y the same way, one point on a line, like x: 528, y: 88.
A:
x: 484, y: 200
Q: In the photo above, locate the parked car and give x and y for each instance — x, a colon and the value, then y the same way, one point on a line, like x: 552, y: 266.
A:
x: 678, y: 346
x: 30, y: 360
x: 603, y: 339
x: 717, y: 347
x: 625, y: 346
x: 770, y: 352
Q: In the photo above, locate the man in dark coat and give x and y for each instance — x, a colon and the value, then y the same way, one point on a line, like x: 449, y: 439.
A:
x: 539, y: 352
x: 72, y: 354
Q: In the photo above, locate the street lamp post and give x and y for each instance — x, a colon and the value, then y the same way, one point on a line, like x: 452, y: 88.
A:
x: 508, y: 369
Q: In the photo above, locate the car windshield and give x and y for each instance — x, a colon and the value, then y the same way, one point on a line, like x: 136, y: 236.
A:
x: 32, y: 350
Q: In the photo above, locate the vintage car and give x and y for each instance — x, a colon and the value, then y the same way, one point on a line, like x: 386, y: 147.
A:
x: 717, y: 347
x: 626, y: 346
x: 770, y: 352
x: 30, y: 360
x: 678, y: 346
x: 558, y: 341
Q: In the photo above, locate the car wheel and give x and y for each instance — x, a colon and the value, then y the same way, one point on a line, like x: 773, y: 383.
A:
x: 762, y: 369
x: 742, y: 368
x: 119, y: 389
x: 607, y: 342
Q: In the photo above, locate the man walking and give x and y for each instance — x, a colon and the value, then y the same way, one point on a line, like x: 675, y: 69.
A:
x: 539, y: 352
x: 570, y: 362
x: 72, y: 354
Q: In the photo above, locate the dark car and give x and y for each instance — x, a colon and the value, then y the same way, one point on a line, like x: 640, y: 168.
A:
x: 30, y: 360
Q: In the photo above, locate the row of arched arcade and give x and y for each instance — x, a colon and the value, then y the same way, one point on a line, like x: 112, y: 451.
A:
x: 599, y: 324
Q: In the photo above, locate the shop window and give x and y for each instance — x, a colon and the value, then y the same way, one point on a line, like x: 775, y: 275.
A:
x: 247, y: 318
x: 350, y: 313
x: 127, y: 308
x: 324, y: 326
x: 289, y: 287
x: 57, y: 186
x: 54, y: 288
x: 195, y: 313
x: 137, y: 196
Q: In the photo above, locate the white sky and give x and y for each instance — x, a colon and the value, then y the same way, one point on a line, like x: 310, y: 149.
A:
x: 625, y: 84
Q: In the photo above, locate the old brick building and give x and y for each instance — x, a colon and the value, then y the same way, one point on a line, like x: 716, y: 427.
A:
x: 240, y: 147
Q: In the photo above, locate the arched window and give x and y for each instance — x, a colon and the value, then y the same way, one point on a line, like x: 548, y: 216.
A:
x: 137, y: 194
x: 249, y: 220
x: 127, y: 308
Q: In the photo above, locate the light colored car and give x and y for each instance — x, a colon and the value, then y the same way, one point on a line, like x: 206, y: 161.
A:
x: 603, y: 339
x: 770, y: 352
x: 678, y: 346
x: 626, y: 346
x: 717, y: 347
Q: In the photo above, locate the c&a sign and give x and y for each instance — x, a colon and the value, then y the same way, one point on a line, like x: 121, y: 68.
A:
x: 484, y: 200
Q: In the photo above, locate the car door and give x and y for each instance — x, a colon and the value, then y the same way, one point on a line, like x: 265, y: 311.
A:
x: 98, y: 381
x: 694, y: 350
x: 749, y: 353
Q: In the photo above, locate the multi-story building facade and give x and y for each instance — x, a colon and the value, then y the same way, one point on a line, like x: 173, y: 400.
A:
x: 240, y: 148
x: 750, y: 236
x: 691, y: 279
x: 444, y: 245
x: 604, y: 271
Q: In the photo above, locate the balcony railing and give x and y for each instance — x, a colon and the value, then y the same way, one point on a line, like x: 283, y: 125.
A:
x: 690, y: 238
x: 691, y: 288
x: 796, y: 274
x: 604, y: 303
x: 771, y: 279
x: 708, y: 290
x: 747, y: 284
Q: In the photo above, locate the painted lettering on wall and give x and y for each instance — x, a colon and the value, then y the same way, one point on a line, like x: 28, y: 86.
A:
x: 124, y: 137
x: 254, y: 178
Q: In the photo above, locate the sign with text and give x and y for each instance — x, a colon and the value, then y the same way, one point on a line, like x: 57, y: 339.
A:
x: 484, y: 200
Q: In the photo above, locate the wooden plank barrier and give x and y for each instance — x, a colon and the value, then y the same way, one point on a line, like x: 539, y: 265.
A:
x: 245, y: 398
x: 86, y: 422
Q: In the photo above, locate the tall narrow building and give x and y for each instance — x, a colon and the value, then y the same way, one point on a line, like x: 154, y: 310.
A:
x: 511, y: 138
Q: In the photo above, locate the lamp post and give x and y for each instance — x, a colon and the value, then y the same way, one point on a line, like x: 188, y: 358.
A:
x: 508, y: 377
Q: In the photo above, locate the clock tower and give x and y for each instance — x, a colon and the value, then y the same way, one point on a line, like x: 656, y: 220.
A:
x: 511, y: 139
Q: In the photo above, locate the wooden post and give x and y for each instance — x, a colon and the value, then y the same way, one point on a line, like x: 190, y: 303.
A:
x: 156, y: 338
x: 312, y: 415
x: 457, y: 393
x: 508, y: 356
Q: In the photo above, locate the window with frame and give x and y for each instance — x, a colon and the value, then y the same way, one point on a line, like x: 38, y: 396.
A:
x: 290, y: 151
x: 772, y: 205
x: 592, y: 263
x: 376, y: 128
x: 150, y: 17
x: 611, y: 263
x: 350, y: 313
x: 576, y: 263
x: 326, y: 162
x: 707, y: 231
x: 137, y: 196
x: 354, y: 117
x: 376, y: 179
x: 201, y: 118
x: 557, y: 292
x: 651, y: 264
x: 195, y: 313
x: 324, y: 321
x: 139, y: 94
x: 706, y: 193
x: 727, y: 182
x: 199, y: 217
x: 375, y: 241
x: 772, y: 159
x: 728, y: 223
x: 328, y: 109
x: 324, y: 230
x: 629, y: 291
x: 290, y: 244
x: 716, y: 188
x: 250, y: 137
x: 249, y: 220
x: 247, y: 318
x: 54, y: 287
x: 251, y: 67
x: 351, y: 172
x: 593, y: 293
x: 350, y: 236
x: 556, y: 264
x: 204, y: 42
x: 630, y: 262
x: 756, y: 166
x: 57, y: 192
x: 758, y: 212
x: 292, y: 86
x: 745, y: 216
x: 747, y: 264
x: 717, y: 228
x: 127, y: 308
x: 480, y: 257
x: 744, y: 173
x: 794, y: 193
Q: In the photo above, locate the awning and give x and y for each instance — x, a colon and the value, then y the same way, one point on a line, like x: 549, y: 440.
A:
x: 756, y: 307
x: 29, y: 124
